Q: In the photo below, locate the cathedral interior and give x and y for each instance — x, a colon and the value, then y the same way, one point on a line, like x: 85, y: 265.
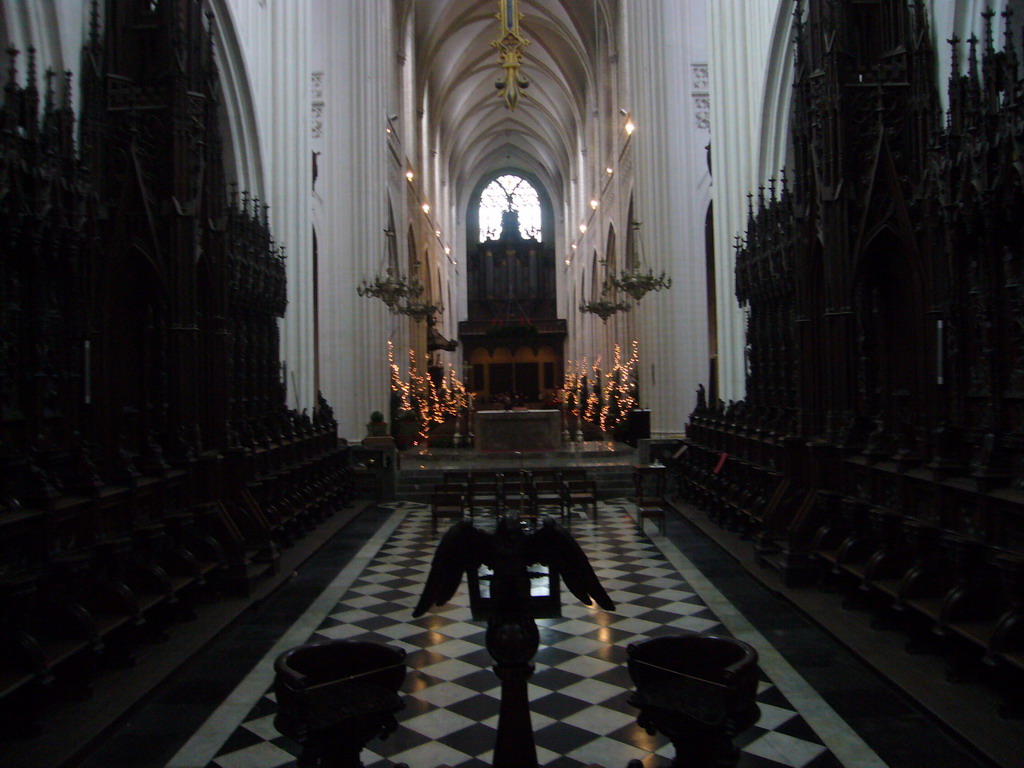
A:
x: 296, y: 293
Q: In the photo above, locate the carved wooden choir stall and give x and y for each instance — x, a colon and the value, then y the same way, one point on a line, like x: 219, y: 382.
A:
x: 146, y: 452
x: 880, y: 445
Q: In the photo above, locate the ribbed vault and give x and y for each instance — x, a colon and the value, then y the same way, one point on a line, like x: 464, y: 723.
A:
x: 458, y: 67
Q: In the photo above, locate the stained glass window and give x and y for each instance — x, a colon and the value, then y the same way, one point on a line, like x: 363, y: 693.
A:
x: 509, y: 193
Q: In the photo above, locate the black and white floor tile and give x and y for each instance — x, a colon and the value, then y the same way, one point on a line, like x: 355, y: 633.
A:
x: 579, y: 691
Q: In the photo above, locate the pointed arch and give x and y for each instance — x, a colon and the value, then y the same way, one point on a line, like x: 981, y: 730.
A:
x: 611, y: 266
x: 547, y: 229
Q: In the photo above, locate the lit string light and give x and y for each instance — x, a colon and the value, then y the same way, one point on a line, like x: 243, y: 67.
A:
x: 620, y: 389
x: 571, y: 385
x: 398, y: 386
x: 593, y: 412
x: 420, y: 396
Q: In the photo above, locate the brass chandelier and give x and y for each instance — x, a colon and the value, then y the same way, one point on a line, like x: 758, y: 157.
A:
x: 395, y: 287
x: 421, y: 310
x: 634, y: 281
x: 603, y: 307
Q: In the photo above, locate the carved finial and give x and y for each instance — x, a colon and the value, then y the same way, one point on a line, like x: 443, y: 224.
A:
x: 954, y: 56
x: 12, y: 68
x: 94, y: 23
x: 67, y: 90
x: 1009, y: 47
x: 798, y: 37
x: 973, y: 81
x: 31, y: 67
x: 988, y: 14
x: 48, y: 93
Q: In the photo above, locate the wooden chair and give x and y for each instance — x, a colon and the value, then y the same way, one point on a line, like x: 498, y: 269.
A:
x: 446, y: 503
x: 649, y: 484
x: 651, y: 509
x: 582, y: 492
x: 547, y: 492
x: 450, y: 487
x: 485, y: 492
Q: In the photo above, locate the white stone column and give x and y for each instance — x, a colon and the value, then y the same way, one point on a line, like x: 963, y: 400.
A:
x: 288, y: 188
x: 352, y: 46
x: 670, y: 201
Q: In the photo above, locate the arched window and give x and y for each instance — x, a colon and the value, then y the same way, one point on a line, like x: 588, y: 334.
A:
x: 509, y: 193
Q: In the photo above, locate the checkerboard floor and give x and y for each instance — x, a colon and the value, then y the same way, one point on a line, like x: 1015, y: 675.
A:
x: 579, y: 691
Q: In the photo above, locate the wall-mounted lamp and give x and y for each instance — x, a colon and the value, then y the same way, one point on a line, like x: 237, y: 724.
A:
x: 426, y: 207
x: 410, y: 175
x: 593, y: 205
x: 437, y: 233
x: 583, y: 228
x: 574, y: 246
x: 630, y: 127
x: 609, y: 170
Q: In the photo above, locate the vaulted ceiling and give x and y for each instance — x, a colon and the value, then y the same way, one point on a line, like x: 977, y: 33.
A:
x: 457, y: 68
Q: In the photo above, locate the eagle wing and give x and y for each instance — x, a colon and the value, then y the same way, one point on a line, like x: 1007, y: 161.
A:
x: 553, y: 545
x: 462, y: 547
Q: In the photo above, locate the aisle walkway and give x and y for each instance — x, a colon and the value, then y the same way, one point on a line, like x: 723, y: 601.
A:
x: 579, y: 691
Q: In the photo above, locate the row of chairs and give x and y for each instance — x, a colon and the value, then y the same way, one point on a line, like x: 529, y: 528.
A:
x: 522, y: 492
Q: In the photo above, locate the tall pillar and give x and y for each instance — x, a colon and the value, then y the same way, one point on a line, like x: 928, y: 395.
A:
x: 670, y: 197
x: 288, y: 188
x: 352, y: 46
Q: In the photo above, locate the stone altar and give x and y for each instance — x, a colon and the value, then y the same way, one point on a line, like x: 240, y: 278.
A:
x: 532, y: 430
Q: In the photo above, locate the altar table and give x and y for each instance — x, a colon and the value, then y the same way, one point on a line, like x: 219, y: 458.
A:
x: 533, y: 430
